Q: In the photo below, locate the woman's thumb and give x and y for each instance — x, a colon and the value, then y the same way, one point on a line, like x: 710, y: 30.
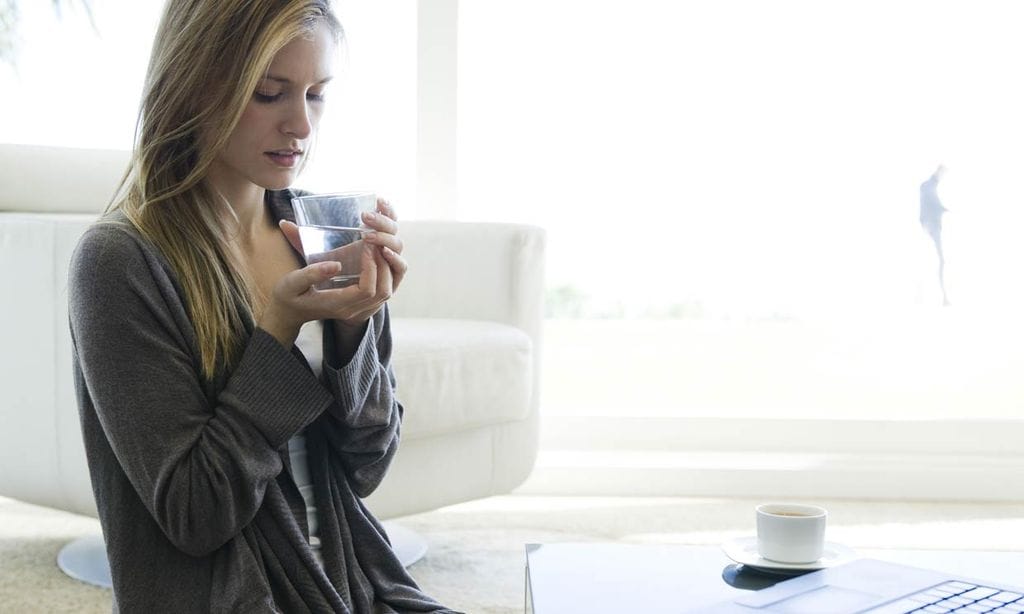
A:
x: 291, y: 232
x: 314, y: 274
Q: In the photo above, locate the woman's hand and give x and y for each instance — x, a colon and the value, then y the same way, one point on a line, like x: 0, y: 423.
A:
x: 295, y: 300
x: 385, y: 224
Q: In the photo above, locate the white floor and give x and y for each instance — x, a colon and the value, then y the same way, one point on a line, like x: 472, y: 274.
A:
x: 476, y: 557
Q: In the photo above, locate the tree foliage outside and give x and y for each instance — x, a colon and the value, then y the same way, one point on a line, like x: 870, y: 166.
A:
x: 564, y: 301
x: 569, y: 302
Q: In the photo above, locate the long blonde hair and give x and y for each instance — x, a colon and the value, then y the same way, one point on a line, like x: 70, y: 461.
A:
x: 207, y: 59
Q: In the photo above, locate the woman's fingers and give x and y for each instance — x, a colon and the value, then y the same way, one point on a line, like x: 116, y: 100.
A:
x: 385, y: 225
x: 294, y: 301
x: 355, y: 304
x: 385, y: 281
x: 368, y: 276
x: 384, y: 239
x: 291, y: 232
x: 299, y: 282
x: 376, y: 284
x: 398, y: 266
x: 382, y: 270
x: 379, y: 222
x: 385, y: 207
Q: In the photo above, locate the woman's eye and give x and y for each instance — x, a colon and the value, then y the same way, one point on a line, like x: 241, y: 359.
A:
x: 315, y: 96
x: 261, y: 97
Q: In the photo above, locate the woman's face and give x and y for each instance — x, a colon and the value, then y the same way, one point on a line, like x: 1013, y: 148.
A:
x: 275, y: 130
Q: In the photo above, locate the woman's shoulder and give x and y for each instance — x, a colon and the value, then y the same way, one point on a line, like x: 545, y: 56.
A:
x: 110, y: 236
x: 112, y: 246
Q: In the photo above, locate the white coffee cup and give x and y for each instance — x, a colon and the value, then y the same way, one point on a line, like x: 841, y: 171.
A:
x: 791, y: 533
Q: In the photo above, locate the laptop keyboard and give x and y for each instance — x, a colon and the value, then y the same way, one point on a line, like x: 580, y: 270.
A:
x: 958, y: 597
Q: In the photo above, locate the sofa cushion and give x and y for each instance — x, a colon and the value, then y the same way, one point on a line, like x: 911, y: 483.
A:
x: 455, y: 375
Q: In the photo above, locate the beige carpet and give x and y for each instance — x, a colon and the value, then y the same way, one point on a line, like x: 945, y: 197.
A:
x: 475, y: 562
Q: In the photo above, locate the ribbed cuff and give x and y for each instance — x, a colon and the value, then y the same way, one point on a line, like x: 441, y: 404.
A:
x: 356, y: 385
x: 278, y: 393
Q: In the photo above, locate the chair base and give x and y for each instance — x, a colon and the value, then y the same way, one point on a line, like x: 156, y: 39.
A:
x: 409, y: 546
x: 85, y: 558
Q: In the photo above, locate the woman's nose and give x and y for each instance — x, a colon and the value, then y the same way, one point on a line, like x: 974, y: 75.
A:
x: 299, y: 122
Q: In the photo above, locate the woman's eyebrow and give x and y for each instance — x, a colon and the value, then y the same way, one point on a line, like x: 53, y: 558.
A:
x: 288, y: 81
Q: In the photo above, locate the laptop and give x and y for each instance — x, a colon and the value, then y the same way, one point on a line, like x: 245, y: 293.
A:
x: 877, y: 587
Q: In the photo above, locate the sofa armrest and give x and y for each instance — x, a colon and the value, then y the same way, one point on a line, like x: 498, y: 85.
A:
x: 473, y: 271
x: 44, y: 179
x: 42, y: 458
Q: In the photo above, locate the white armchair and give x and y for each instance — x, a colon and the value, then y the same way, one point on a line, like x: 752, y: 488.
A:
x: 467, y: 324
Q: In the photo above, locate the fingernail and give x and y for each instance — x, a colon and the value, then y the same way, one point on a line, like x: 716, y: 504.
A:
x: 369, y: 216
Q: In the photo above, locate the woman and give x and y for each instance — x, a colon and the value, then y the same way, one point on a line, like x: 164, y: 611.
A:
x: 227, y: 456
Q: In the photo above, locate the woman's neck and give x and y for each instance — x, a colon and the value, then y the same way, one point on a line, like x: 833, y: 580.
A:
x: 252, y: 217
x: 246, y: 199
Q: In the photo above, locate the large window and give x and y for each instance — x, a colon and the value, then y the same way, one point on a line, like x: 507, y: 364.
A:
x: 732, y: 191
x: 743, y: 179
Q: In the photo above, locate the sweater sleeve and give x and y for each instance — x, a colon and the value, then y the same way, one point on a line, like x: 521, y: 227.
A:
x: 199, y: 459
x: 364, y: 421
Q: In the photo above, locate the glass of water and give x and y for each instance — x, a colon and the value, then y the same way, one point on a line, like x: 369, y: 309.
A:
x: 330, y: 228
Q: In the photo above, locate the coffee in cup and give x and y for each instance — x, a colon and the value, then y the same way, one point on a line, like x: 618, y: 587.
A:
x: 791, y: 533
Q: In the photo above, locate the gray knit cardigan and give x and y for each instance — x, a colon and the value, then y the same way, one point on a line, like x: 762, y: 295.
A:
x: 192, y: 477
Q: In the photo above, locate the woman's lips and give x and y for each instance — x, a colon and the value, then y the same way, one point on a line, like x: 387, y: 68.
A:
x: 283, y: 159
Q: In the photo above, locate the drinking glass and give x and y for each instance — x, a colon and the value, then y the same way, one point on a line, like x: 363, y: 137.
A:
x: 330, y: 228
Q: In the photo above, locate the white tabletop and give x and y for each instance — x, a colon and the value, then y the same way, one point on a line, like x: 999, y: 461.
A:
x: 594, y: 578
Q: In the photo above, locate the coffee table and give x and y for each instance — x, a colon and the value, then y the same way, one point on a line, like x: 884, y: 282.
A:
x: 594, y: 578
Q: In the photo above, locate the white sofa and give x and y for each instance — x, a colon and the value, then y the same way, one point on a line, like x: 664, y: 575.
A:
x: 466, y: 321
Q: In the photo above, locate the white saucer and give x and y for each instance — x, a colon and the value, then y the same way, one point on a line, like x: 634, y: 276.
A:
x: 744, y: 550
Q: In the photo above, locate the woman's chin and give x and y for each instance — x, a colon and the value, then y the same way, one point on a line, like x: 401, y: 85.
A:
x: 280, y: 183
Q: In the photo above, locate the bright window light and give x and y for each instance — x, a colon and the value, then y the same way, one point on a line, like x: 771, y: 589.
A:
x: 731, y: 191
